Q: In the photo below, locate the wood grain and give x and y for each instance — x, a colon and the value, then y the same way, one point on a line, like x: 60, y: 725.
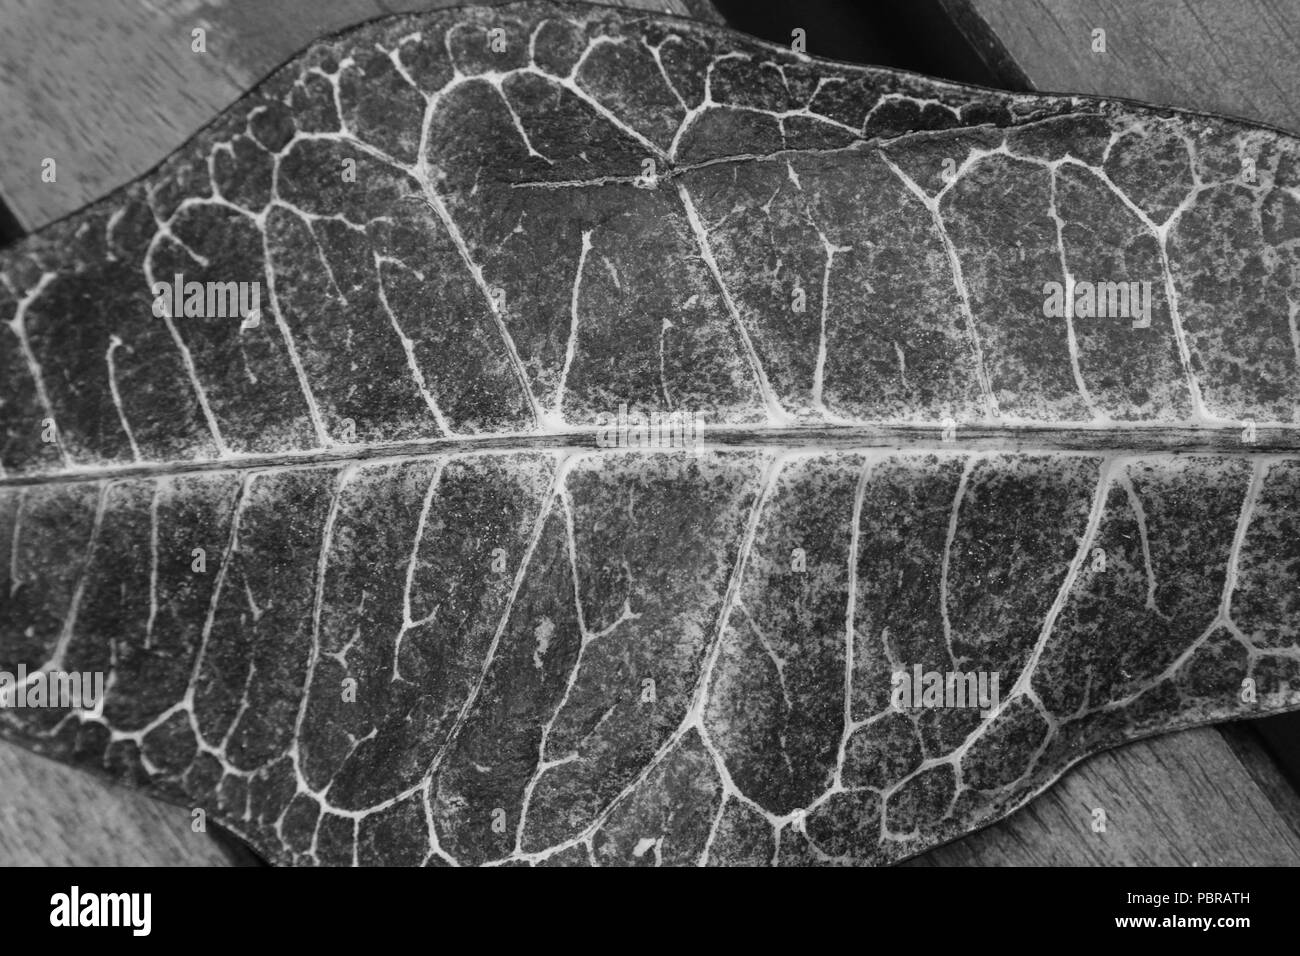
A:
x: 52, y: 815
x: 1184, y: 799
x: 108, y: 88
x: 1235, y: 57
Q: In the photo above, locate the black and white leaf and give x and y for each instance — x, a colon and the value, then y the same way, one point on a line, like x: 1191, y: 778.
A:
x: 366, y: 588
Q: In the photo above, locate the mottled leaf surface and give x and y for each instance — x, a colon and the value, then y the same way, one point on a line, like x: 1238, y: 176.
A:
x: 570, y: 654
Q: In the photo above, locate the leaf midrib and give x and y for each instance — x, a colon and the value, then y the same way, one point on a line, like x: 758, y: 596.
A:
x: 1125, y: 440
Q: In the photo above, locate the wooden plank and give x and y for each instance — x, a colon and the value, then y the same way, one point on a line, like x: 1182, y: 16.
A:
x: 1185, y: 799
x: 108, y: 88
x: 1236, y: 57
x: 52, y: 815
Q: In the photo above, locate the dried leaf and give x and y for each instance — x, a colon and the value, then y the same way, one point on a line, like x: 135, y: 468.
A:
x: 368, y: 587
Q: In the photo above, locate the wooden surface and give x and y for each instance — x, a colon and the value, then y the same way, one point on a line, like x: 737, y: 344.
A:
x: 1237, y: 57
x: 1195, y: 798
x: 52, y: 815
x: 109, y: 87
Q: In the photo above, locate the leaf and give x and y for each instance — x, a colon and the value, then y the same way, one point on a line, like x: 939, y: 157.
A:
x: 369, y: 589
